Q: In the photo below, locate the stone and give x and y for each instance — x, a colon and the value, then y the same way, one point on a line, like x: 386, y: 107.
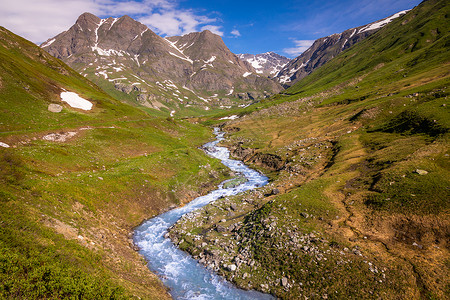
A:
x: 232, y: 267
x: 284, y: 282
x: 421, y: 172
x: 220, y: 228
x: 275, y: 191
x: 230, y: 214
x: 243, y: 96
x: 142, y: 98
x: 56, y: 108
x: 123, y: 87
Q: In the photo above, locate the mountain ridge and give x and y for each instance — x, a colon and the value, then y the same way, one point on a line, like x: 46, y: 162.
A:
x: 194, y: 70
x: 269, y: 63
x: 326, y: 48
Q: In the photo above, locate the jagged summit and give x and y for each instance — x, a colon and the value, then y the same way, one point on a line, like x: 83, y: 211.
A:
x: 172, y: 72
x: 269, y: 63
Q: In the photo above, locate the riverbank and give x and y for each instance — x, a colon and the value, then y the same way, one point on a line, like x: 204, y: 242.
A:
x: 184, y: 277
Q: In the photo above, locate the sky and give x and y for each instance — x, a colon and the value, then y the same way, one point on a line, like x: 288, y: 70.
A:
x: 287, y: 27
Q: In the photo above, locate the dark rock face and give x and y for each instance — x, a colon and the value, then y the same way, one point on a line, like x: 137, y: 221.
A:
x: 323, y: 50
x: 124, y: 52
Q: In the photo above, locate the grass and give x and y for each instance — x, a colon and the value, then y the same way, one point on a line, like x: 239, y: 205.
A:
x: 68, y: 208
x: 352, y: 137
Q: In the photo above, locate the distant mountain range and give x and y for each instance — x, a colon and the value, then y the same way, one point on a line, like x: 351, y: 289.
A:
x: 268, y: 63
x: 194, y: 72
x: 196, y: 69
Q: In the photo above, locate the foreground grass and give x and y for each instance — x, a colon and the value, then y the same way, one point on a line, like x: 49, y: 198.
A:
x: 68, y: 208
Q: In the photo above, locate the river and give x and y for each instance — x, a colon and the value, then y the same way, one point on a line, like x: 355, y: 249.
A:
x: 183, y: 275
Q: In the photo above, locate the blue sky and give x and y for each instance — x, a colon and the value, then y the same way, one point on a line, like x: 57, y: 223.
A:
x: 285, y: 27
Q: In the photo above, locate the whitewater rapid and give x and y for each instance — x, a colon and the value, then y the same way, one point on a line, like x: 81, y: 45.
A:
x: 183, y: 275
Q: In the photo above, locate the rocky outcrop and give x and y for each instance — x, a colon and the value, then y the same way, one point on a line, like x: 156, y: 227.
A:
x: 266, y: 160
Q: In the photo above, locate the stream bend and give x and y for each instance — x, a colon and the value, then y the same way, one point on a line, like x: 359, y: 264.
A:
x: 183, y: 275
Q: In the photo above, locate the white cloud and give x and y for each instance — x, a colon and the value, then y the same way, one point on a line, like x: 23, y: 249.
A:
x: 214, y: 29
x: 174, y: 22
x: 236, y: 33
x: 300, y: 47
x: 43, y: 19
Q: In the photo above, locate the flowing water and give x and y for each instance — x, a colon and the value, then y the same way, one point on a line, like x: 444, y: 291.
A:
x: 185, y: 277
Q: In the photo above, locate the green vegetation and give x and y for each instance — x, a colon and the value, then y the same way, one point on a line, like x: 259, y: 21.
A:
x: 74, y: 184
x: 364, y: 148
x: 357, y: 153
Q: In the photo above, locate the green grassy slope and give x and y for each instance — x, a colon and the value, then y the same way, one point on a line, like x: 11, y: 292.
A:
x: 68, y: 206
x: 358, y: 156
x: 31, y: 79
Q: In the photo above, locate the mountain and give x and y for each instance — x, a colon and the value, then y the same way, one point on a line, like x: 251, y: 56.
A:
x: 326, y: 48
x: 358, y: 158
x: 76, y: 179
x: 268, y: 64
x: 195, y: 70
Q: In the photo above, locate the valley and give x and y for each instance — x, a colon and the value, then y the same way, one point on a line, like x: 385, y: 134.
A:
x: 352, y: 135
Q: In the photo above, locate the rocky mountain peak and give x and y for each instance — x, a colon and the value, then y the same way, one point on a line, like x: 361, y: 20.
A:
x: 183, y: 70
x: 268, y: 64
x: 86, y: 19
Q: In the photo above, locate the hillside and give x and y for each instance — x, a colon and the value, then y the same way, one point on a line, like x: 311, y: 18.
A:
x: 74, y: 183
x: 358, y: 156
x: 188, y: 75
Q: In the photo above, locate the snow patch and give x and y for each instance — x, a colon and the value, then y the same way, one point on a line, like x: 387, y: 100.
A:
x: 48, y: 43
x: 108, y: 52
x: 382, y: 23
x: 76, y: 101
x: 345, y: 42
x: 102, y: 73
x: 180, y: 51
x: 136, y: 58
x: 285, y: 79
x: 120, y: 78
x: 233, y: 117
x: 183, y: 58
x: 213, y: 58
x: 4, y: 145
x: 114, y: 21
x: 247, y: 74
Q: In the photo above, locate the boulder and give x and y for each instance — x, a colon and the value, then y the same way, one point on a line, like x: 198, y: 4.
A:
x: 56, y: 108
x: 231, y: 267
x: 243, y: 96
x: 421, y: 172
x: 123, y: 87
x: 221, y: 228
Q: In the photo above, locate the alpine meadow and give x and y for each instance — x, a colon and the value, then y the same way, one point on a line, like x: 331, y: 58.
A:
x: 337, y: 183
